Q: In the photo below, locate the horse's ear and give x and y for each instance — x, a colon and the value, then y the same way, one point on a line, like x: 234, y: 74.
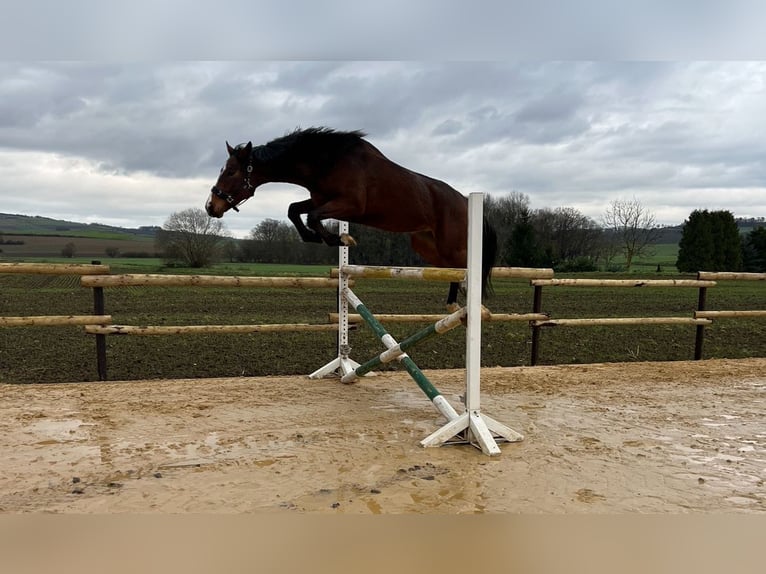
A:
x: 249, y: 148
x: 229, y: 149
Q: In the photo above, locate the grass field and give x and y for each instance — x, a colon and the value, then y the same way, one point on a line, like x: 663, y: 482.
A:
x: 54, y: 354
x: 92, y: 247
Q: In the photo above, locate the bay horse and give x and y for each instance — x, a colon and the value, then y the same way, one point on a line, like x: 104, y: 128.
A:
x: 350, y: 179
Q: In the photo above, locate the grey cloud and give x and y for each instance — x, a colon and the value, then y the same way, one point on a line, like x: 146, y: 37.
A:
x: 552, y: 130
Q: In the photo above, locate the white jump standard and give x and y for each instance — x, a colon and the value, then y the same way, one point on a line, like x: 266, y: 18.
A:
x: 477, y: 427
x: 472, y: 426
x: 342, y: 364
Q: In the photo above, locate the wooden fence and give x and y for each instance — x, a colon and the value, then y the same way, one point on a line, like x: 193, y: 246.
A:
x: 98, y: 283
x: 54, y: 269
x: 99, y: 324
x: 538, y: 325
x: 702, y: 313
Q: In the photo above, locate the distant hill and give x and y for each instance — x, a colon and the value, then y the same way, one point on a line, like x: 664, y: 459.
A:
x: 35, y: 236
x: 37, y: 225
x: 672, y: 234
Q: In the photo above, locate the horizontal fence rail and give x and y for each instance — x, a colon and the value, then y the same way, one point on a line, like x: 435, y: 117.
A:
x: 54, y: 268
x: 430, y: 318
x: 148, y: 330
x: 437, y: 273
x: 730, y: 276
x: 728, y: 314
x: 54, y: 320
x: 147, y: 280
x: 621, y: 283
x: 621, y: 321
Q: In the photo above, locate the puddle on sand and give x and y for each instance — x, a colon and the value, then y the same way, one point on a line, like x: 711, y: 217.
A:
x: 61, y: 430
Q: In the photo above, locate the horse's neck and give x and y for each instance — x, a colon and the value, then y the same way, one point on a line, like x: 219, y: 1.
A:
x: 281, y: 172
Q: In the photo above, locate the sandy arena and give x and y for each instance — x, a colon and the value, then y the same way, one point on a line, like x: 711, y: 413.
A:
x: 604, y: 438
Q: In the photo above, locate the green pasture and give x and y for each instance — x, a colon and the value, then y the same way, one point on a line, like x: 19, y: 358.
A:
x: 663, y: 255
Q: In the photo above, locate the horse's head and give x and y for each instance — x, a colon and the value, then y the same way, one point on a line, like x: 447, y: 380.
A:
x: 236, y: 183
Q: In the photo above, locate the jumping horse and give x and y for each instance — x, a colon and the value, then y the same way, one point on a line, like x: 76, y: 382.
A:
x: 349, y: 179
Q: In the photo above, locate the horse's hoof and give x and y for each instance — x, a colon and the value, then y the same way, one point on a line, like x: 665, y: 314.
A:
x: 452, y: 307
x: 347, y: 240
x: 486, y: 314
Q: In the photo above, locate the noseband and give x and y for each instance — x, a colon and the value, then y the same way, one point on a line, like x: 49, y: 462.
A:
x: 228, y: 198
x: 215, y: 190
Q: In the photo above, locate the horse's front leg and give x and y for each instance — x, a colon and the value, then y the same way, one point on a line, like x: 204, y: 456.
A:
x: 330, y: 210
x: 294, y: 213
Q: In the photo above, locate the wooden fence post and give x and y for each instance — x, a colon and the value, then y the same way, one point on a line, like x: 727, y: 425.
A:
x: 98, y: 309
x: 700, y: 338
x: 537, y: 307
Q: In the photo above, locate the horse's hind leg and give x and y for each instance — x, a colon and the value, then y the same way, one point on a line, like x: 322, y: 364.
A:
x: 452, y: 305
x: 424, y: 243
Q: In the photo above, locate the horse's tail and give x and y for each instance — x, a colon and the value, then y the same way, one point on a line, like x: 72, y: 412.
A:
x: 489, y: 257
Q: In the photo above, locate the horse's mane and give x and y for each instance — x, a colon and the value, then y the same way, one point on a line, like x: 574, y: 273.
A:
x: 315, y: 142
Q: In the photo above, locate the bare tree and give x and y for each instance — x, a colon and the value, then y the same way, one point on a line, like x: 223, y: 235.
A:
x: 192, y: 237
x: 272, y: 230
x: 632, y: 227
x: 69, y: 250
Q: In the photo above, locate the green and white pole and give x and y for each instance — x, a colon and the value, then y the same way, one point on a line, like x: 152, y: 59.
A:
x: 396, y: 351
x: 442, y: 326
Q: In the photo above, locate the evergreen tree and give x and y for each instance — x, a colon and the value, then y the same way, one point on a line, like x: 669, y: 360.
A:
x: 709, y: 242
x: 521, y: 248
x: 728, y: 243
x: 754, y: 251
x: 695, y: 250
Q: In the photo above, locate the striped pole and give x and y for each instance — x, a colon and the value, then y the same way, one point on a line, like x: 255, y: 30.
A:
x: 419, y: 273
x: 440, y: 327
x: 422, y: 381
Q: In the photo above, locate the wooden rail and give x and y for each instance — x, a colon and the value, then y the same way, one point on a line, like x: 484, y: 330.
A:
x: 129, y: 280
x: 729, y: 276
x: 437, y: 273
x: 621, y: 283
x: 55, y: 320
x: 622, y: 321
x: 54, y: 268
x: 396, y: 318
x: 728, y: 314
x: 197, y: 329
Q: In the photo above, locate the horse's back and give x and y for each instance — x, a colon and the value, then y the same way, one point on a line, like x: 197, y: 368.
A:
x: 391, y: 186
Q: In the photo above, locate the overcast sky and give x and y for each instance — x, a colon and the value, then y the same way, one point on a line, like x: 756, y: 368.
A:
x: 118, y: 112
x: 128, y: 144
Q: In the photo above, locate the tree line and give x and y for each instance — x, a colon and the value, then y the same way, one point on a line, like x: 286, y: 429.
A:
x: 561, y: 238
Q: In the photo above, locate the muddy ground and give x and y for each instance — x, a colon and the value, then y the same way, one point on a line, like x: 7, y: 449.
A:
x: 633, y: 437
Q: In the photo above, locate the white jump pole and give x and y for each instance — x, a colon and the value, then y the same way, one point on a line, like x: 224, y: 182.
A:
x: 342, y: 364
x: 474, y: 426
